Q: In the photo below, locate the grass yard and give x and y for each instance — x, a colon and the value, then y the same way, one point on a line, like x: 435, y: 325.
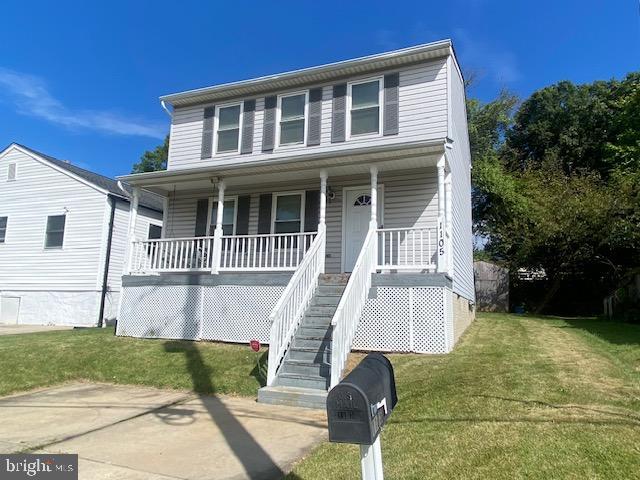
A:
x: 40, y: 359
x: 520, y: 397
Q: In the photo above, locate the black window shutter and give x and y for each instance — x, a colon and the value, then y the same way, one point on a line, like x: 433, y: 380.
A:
x: 264, y: 213
x: 391, y: 110
x: 311, y: 210
x: 315, y: 116
x: 207, y: 132
x: 269, y: 127
x: 248, y: 115
x: 201, y: 217
x: 339, y: 113
x: 242, y: 218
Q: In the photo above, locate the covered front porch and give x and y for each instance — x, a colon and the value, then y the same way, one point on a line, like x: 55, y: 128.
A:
x: 268, y: 220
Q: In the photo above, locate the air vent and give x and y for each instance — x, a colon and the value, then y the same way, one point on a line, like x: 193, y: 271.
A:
x: 11, y: 174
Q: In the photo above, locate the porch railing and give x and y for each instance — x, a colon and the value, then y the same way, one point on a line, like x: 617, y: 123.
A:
x: 407, y: 248
x: 347, y: 315
x: 293, y: 302
x: 272, y: 252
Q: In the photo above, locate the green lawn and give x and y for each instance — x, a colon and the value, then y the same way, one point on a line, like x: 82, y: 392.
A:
x: 39, y: 359
x: 520, y: 397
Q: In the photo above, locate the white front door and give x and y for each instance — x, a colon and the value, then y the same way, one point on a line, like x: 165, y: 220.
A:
x: 357, y: 214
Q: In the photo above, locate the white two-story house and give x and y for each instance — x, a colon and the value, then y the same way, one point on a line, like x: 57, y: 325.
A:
x: 64, y: 232
x: 320, y: 210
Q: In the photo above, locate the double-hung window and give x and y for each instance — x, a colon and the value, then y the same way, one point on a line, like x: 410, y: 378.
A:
x: 155, y: 232
x: 228, y: 134
x: 288, y: 213
x: 364, y: 114
x: 54, y: 237
x: 292, y: 118
x: 228, y: 217
x: 3, y: 228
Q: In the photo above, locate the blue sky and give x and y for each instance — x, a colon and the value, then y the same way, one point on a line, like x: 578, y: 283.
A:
x: 81, y: 80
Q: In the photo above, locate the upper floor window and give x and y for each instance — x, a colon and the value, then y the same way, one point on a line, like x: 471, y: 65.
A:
x: 292, y: 118
x: 3, y: 228
x: 364, y: 107
x: 12, y: 172
x: 288, y: 213
x: 55, y: 231
x: 228, y: 133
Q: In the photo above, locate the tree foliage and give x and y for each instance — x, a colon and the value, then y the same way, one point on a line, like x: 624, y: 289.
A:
x: 153, y: 160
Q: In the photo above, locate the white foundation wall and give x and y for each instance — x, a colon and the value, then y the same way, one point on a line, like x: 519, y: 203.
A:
x: 75, y: 308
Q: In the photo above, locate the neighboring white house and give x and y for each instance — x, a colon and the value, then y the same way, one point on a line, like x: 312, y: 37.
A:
x: 318, y: 210
x: 63, y: 236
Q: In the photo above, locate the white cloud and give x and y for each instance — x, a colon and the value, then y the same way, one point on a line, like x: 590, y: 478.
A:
x: 31, y: 97
x: 499, y: 64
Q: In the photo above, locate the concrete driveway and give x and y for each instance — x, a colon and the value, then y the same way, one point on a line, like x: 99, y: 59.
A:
x: 15, y: 329
x: 124, y: 432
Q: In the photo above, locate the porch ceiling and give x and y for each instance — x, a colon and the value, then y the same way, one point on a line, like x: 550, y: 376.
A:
x: 290, y: 169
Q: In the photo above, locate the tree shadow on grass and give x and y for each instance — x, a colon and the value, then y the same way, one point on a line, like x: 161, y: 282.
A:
x: 256, y: 461
x: 611, y: 331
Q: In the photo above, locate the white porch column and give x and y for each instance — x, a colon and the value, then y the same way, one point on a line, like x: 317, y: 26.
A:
x: 165, y: 216
x: 441, y: 252
x: 133, y: 217
x: 374, y: 198
x: 448, y: 210
x: 217, y: 234
x: 322, y: 226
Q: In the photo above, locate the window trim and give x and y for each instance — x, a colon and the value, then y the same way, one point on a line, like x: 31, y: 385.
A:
x: 274, y: 209
x: 216, y: 122
x: 350, y: 85
x: 212, y: 221
x: 277, y: 143
x: 64, y: 230
x: 15, y: 171
x: 3, y: 240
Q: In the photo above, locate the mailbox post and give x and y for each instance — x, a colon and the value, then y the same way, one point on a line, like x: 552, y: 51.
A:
x: 359, y: 406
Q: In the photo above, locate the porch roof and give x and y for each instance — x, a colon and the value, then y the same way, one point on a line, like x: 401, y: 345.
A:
x: 299, y: 167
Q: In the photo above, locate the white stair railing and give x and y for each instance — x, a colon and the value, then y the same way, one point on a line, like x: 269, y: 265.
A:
x: 293, y: 302
x: 345, y: 320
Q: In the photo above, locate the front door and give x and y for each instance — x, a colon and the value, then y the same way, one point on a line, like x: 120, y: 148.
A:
x: 357, y: 214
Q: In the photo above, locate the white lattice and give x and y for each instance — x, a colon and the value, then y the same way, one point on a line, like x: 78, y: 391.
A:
x: 170, y: 311
x: 234, y: 313
x: 385, y: 321
x: 404, y: 319
x: 429, y: 320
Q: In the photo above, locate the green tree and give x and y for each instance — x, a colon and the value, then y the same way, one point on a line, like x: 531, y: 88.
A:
x: 153, y: 160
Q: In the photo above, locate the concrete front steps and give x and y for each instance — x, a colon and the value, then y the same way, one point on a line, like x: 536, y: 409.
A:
x: 305, y: 373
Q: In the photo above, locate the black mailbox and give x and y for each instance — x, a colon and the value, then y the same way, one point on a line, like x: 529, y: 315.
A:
x: 360, y: 404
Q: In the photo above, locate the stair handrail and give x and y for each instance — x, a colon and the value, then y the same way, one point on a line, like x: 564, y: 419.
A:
x: 289, y: 310
x: 347, y: 316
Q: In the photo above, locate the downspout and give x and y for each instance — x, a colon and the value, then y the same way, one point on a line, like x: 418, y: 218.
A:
x: 105, y: 275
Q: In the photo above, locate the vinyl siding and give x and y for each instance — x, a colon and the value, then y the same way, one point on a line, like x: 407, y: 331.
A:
x: 459, y: 158
x: 410, y: 200
x: 39, y: 191
x: 422, y: 116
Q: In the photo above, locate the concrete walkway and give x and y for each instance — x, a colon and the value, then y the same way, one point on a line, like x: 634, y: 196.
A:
x: 16, y: 329
x: 136, y: 433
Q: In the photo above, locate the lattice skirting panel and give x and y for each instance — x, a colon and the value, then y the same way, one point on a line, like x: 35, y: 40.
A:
x: 229, y: 313
x: 407, y: 319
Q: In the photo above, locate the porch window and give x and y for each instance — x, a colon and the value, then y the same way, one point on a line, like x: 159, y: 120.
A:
x: 288, y: 213
x: 155, y: 232
x: 55, y: 231
x: 292, y: 118
x: 228, y: 217
x: 365, y: 107
x: 3, y: 228
x: 228, y: 128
